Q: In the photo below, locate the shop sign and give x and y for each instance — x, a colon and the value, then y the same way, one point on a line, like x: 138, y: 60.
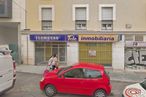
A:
x: 43, y: 37
x: 97, y: 38
x: 135, y: 44
x: 72, y: 37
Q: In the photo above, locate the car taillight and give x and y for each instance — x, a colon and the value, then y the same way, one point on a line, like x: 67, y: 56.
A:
x: 14, y: 65
x: 107, y: 75
x: 14, y: 71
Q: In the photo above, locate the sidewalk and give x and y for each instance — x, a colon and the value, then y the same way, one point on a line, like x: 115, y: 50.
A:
x: 115, y: 75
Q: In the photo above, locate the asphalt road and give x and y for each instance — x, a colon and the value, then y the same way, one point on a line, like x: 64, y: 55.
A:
x: 27, y: 85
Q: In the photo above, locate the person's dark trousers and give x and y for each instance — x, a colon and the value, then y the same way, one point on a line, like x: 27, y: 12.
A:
x: 53, y: 67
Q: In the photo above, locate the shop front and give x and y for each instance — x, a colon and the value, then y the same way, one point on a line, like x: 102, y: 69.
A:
x: 135, y: 55
x: 47, y: 45
x: 96, y: 48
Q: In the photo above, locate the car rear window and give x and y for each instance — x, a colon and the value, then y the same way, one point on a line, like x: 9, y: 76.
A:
x: 92, y: 73
x: 106, y: 74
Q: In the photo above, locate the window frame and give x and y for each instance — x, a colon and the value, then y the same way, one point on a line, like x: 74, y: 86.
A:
x: 74, y: 6
x: 107, y: 22
x: 81, y: 24
x: 139, y: 37
x: 107, y: 5
x: 48, y: 21
x: 40, y: 15
x: 46, y: 6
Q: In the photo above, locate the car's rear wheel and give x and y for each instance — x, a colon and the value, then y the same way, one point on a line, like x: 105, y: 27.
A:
x: 50, y: 90
x: 99, y: 93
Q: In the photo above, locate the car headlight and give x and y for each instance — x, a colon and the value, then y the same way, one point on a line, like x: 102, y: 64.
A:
x: 42, y: 79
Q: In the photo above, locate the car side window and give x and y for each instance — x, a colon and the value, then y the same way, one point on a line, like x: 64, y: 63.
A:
x: 88, y: 73
x: 75, y: 73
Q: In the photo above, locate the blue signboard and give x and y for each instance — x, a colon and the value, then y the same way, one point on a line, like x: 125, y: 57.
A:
x: 47, y: 38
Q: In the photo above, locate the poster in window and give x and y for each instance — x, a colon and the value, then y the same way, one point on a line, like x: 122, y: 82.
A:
x: 92, y: 53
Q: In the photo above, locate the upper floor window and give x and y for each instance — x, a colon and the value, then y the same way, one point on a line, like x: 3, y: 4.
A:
x: 5, y: 8
x: 107, y: 25
x: 129, y: 37
x: 107, y: 15
x: 80, y: 16
x: 46, y: 19
x: 138, y: 37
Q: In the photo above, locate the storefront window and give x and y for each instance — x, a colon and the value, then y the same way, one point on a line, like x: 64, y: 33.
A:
x: 44, y: 50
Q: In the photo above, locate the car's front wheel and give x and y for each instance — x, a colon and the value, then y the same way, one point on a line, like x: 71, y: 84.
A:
x: 99, y: 93
x: 50, y: 90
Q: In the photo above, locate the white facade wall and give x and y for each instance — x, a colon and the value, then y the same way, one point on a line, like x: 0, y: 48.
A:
x: 144, y: 38
x: 72, y: 53
x: 28, y: 50
x: 24, y: 49
x: 31, y: 51
x: 19, y: 12
x: 118, y: 57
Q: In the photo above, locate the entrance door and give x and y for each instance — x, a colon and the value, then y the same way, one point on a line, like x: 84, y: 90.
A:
x: 39, y: 52
x: 39, y: 55
x: 60, y: 50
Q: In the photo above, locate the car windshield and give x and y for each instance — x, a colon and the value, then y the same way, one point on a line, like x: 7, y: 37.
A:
x: 143, y: 84
x: 63, y: 69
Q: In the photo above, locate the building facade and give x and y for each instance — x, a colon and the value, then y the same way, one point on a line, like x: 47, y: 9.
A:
x: 110, y: 32
x: 12, y: 21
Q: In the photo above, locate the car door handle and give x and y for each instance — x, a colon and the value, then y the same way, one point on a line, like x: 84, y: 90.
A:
x: 1, y: 76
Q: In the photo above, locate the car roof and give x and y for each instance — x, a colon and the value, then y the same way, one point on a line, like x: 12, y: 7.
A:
x: 89, y: 65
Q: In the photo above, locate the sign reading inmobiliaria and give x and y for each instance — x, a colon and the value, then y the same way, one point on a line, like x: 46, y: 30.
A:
x: 98, y: 38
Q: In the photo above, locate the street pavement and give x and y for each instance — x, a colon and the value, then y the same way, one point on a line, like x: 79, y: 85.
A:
x: 115, y: 75
x: 27, y: 85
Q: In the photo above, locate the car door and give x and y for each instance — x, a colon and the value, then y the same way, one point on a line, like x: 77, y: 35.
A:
x: 92, y: 81
x: 6, y: 72
x: 72, y: 81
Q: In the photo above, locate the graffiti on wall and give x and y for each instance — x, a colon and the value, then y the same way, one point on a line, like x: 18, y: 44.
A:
x: 135, y: 58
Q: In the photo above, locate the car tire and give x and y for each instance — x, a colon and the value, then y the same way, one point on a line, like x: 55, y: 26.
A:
x: 100, y: 93
x: 50, y: 90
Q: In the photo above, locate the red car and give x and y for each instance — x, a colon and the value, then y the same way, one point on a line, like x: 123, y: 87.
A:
x: 82, y: 78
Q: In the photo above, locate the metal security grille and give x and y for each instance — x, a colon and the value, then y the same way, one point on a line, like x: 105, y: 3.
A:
x: 44, y: 50
x: 96, y: 53
x: 135, y: 58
